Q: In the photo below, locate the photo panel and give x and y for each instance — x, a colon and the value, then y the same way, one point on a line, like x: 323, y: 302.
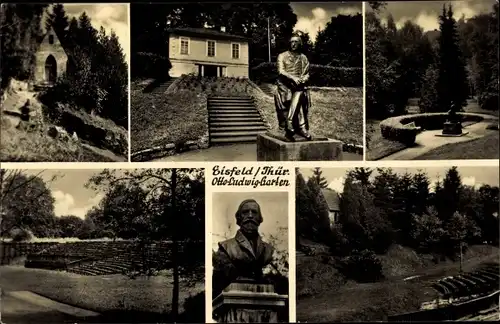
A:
x: 402, y: 243
x: 250, y: 239
x: 250, y: 257
x: 247, y: 82
x: 431, y: 80
x: 103, y: 245
x: 64, y: 82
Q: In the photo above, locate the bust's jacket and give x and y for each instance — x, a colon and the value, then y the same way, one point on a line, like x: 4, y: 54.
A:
x: 235, y: 258
x: 240, y: 249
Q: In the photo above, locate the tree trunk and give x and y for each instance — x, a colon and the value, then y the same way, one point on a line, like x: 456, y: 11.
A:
x: 175, y: 258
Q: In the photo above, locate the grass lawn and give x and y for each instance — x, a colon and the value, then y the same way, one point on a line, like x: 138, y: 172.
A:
x: 109, y: 294
x: 335, y: 113
x: 158, y: 118
x: 377, y: 146
x: 482, y: 148
x: 19, y: 146
x: 324, y: 295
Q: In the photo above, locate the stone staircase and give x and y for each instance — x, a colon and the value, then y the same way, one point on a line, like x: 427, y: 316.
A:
x: 233, y: 120
x: 157, y: 87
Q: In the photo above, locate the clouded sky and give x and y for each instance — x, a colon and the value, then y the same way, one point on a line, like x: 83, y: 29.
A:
x: 425, y: 13
x: 111, y: 16
x: 312, y: 16
x: 472, y: 176
x: 71, y: 196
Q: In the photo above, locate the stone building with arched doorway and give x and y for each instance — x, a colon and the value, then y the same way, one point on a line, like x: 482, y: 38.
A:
x: 51, y: 59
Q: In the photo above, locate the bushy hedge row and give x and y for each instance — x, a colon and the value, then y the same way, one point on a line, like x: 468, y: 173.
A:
x: 149, y: 65
x: 212, y: 85
x: 320, y: 75
x: 393, y: 128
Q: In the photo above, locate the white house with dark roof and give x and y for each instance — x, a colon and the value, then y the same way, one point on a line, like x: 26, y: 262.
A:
x: 332, y: 199
x: 207, y: 52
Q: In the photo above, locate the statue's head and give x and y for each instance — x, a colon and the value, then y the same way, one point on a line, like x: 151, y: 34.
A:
x: 296, y: 42
x: 249, y: 217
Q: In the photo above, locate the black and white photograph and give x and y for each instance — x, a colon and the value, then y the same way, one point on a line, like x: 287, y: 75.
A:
x: 64, y: 82
x: 431, y: 80
x: 250, y: 257
x: 247, y: 81
x: 102, y: 246
x: 397, y: 244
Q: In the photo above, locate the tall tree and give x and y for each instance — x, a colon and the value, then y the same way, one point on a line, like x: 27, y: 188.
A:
x: 26, y: 204
x: 452, y: 86
x: 318, y: 178
x: 334, y: 47
x: 20, y: 26
x: 450, y: 194
x: 58, y: 19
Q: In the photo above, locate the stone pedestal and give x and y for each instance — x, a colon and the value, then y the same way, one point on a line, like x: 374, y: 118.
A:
x: 244, y: 302
x: 452, y: 129
x: 271, y: 147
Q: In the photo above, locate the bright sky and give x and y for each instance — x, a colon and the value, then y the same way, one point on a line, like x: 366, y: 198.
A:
x: 313, y: 16
x: 71, y: 196
x: 274, y: 208
x: 425, y: 13
x: 471, y: 176
x: 111, y: 16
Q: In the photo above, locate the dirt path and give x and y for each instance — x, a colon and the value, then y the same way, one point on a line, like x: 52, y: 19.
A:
x: 427, y: 141
x: 24, y: 307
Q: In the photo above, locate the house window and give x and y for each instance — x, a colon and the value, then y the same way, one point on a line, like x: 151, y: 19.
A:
x: 184, y: 46
x: 211, y: 48
x: 51, y: 39
x: 235, y: 49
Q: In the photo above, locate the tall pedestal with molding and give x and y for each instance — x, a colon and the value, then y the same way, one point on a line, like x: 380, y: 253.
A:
x: 248, y: 302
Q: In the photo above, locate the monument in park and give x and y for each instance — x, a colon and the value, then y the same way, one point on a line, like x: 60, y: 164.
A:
x: 453, y: 125
x: 240, y: 292
x: 292, y: 100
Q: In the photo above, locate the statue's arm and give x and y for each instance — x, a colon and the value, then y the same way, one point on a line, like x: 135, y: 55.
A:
x: 281, y: 68
x: 305, y: 71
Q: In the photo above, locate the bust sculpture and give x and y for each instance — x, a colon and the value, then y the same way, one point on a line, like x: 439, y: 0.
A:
x: 244, y: 256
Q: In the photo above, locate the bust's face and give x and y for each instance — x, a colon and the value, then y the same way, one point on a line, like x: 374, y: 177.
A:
x: 294, y: 43
x: 249, y: 217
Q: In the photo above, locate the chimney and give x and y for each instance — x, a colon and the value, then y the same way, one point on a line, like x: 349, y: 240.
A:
x: 223, y: 29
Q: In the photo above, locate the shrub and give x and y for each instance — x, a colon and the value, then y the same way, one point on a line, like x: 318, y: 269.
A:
x: 149, y: 65
x: 19, y: 235
x: 362, y: 266
x: 488, y: 101
x: 392, y: 129
x: 320, y: 75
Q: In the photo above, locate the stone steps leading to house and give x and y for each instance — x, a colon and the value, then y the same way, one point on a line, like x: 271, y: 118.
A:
x: 161, y: 88
x: 233, y: 120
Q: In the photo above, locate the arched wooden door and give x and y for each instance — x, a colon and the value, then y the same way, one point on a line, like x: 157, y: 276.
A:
x: 50, y: 69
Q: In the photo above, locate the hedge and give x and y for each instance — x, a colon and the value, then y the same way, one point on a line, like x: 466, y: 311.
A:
x: 149, y: 65
x: 393, y: 128
x: 319, y: 75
